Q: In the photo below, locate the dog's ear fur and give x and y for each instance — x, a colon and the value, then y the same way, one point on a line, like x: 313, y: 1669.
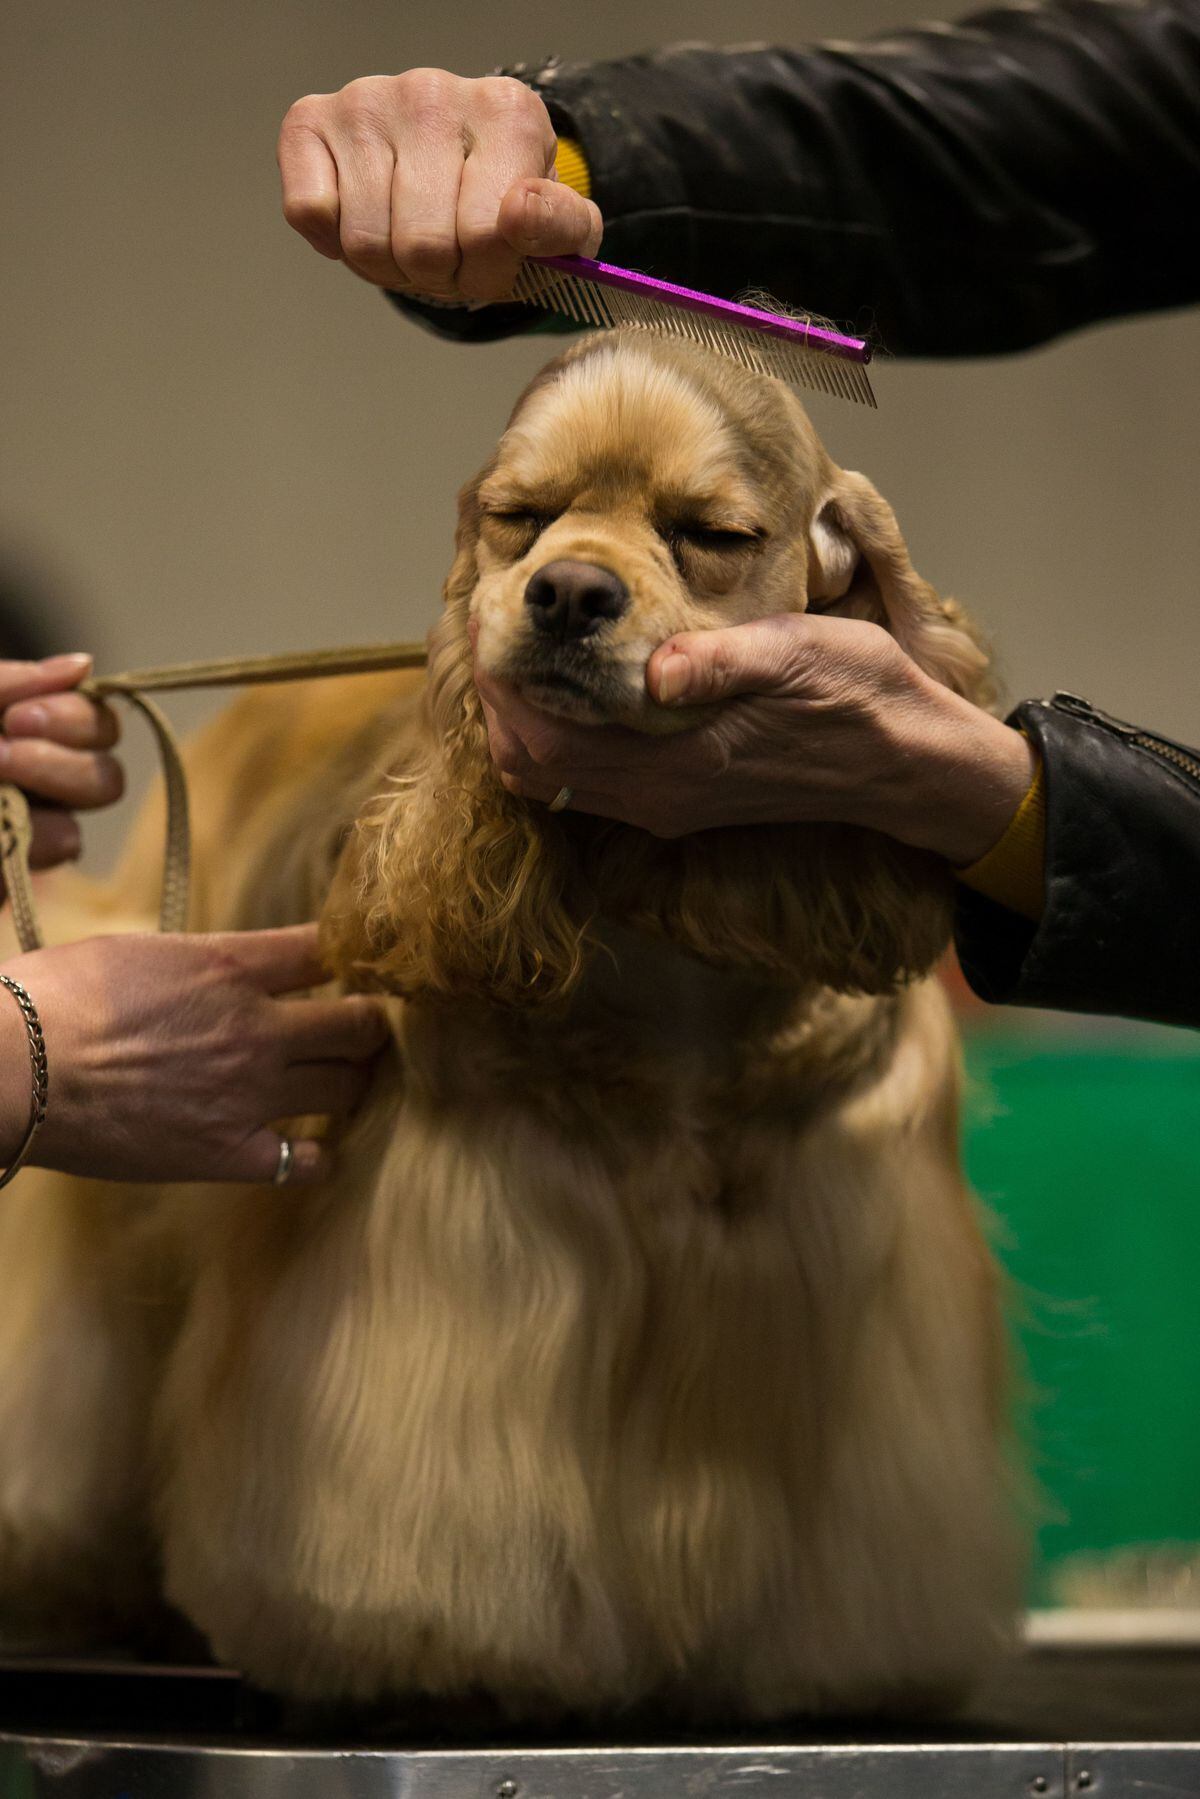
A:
x: 449, y: 886
x: 859, y: 567
x: 810, y: 905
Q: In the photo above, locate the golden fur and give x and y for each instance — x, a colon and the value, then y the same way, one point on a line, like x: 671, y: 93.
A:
x: 645, y: 1346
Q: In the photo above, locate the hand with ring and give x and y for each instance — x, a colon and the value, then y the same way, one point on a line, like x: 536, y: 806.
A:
x: 171, y: 1058
x: 812, y: 718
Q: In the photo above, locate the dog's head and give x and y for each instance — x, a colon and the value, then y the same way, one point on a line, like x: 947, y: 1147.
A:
x: 641, y: 489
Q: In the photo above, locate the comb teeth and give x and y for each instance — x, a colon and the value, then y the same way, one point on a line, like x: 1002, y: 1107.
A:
x: 586, y: 302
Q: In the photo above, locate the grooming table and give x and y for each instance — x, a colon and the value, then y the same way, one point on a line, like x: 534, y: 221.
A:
x: 1070, y: 1716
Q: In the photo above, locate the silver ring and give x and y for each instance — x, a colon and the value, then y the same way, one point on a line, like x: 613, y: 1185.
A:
x: 561, y: 800
x: 286, y: 1156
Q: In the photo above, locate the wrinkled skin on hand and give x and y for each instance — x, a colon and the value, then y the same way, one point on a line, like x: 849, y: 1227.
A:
x: 429, y: 183
x: 170, y: 1057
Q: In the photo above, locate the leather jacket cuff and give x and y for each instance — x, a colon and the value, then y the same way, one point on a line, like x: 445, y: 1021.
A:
x: 1122, y: 851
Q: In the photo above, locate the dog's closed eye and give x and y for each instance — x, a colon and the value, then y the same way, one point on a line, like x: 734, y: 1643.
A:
x: 715, y: 537
x: 696, y: 541
x: 514, y: 531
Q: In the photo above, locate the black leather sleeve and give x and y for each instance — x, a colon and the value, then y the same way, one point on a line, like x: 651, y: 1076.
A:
x: 1120, y: 933
x: 956, y: 190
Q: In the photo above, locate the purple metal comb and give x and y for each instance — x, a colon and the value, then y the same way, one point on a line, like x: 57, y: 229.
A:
x: 795, y: 350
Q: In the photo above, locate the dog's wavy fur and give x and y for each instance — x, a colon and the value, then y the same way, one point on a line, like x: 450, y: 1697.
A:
x: 645, y: 1345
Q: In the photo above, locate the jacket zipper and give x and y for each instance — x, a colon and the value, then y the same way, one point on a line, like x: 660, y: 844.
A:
x: 1162, y: 747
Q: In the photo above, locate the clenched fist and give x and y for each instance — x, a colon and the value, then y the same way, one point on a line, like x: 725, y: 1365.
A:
x: 429, y: 183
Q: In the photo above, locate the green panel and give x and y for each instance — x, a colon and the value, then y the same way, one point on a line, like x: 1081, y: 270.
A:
x: 1087, y: 1151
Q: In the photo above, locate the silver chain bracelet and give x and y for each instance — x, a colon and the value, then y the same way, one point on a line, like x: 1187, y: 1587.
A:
x: 38, y: 1069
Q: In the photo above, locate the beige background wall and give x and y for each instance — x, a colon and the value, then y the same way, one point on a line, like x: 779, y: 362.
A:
x: 215, y: 441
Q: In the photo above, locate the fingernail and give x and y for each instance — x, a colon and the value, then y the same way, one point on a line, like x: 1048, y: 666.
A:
x: 77, y: 662
x: 674, y: 678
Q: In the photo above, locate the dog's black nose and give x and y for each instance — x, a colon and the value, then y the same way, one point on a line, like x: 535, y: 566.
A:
x: 569, y: 600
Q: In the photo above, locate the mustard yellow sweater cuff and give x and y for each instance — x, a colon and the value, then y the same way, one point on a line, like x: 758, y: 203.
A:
x: 1013, y: 873
x: 570, y: 165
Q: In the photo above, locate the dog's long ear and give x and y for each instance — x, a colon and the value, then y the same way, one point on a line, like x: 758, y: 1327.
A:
x: 449, y: 886
x: 859, y: 567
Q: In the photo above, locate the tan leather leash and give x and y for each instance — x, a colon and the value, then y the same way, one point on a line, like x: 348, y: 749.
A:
x: 16, y: 829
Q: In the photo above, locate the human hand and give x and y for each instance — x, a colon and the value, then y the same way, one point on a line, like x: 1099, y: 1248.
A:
x: 170, y: 1056
x: 54, y: 745
x: 818, y: 719
x: 431, y: 183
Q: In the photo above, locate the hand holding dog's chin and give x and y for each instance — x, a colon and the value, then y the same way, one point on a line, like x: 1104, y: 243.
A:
x: 802, y: 719
x: 838, y: 724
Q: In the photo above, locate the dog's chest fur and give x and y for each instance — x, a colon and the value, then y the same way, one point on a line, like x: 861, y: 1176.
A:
x: 657, y: 1059
x: 627, y: 1350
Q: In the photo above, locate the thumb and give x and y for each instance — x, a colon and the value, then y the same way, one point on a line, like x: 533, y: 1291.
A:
x: 697, y: 667
x: 545, y: 218
x: 30, y: 680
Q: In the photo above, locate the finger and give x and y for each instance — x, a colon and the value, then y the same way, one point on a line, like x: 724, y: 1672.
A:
x: 67, y: 718
x: 424, y: 203
x: 540, y: 792
x: 22, y: 680
x: 489, y: 267
x: 556, y: 746
x: 512, y: 141
x: 56, y: 838
x: 699, y: 667
x: 523, y: 733
x: 322, y: 1089
x: 365, y: 166
x: 318, y: 1030
x: 279, y: 961
x: 507, y: 751
x: 658, y: 803
x: 258, y: 1161
x: 309, y: 176
x: 78, y: 778
x: 546, y: 218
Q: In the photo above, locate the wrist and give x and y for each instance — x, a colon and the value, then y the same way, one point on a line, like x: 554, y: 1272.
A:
x: 14, y: 1073
x: 37, y: 1072
x: 963, y: 775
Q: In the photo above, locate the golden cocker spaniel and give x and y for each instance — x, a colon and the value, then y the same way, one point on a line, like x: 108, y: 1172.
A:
x: 644, y: 1346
